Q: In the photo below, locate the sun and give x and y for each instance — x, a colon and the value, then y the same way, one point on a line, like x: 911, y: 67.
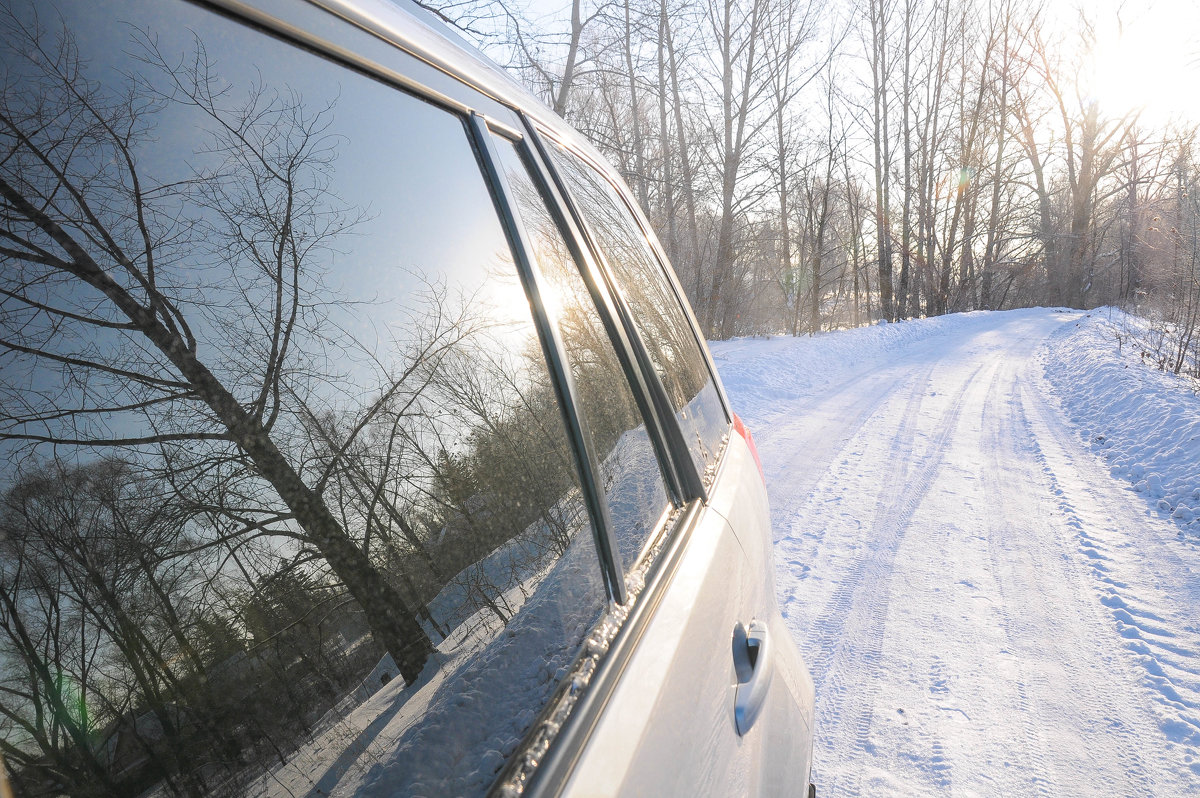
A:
x: 1146, y: 59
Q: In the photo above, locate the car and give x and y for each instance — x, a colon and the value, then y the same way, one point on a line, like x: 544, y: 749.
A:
x: 357, y: 436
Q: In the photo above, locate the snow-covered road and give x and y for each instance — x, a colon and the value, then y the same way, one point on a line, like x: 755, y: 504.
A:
x: 986, y: 606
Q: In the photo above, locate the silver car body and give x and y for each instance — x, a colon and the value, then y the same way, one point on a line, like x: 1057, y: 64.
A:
x: 695, y: 686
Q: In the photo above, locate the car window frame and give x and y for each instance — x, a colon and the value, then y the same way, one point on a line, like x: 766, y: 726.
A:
x: 545, y: 758
x: 575, y: 705
x: 665, y: 550
x: 586, y: 461
x: 665, y: 272
x: 598, y: 273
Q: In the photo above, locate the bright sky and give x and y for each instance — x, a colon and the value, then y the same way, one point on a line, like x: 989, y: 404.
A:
x: 1147, y: 52
x: 1147, y: 55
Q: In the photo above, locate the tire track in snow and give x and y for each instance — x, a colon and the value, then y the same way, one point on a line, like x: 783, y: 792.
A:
x: 834, y: 613
x: 999, y: 433
x: 831, y: 424
x: 1124, y: 727
x: 797, y: 540
x: 851, y: 641
x: 1169, y: 662
x: 844, y: 412
x: 805, y: 539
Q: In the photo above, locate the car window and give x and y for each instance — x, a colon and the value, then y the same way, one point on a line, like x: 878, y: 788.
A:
x: 633, y: 483
x: 287, y: 505
x: 659, y: 318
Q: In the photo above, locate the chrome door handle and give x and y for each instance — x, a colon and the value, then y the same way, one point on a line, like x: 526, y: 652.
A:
x: 751, y: 694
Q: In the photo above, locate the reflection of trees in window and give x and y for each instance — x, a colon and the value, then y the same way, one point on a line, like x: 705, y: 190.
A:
x: 445, y: 477
x: 632, y: 481
x: 96, y: 619
x: 224, y: 500
x: 113, y: 278
x: 130, y: 660
x: 655, y: 309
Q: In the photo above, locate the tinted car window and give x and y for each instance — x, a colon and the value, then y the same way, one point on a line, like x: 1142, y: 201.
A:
x: 655, y: 309
x: 287, y: 505
x: 633, y: 484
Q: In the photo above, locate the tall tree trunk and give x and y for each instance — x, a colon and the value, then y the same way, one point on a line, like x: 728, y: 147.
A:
x: 390, y: 620
x: 664, y: 139
x: 991, y: 249
x: 638, y: 145
x: 568, y: 75
x: 903, y: 305
x: 882, y: 158
x: 687, y: 177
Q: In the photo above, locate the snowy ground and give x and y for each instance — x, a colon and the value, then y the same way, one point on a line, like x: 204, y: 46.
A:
x: 988, y: 551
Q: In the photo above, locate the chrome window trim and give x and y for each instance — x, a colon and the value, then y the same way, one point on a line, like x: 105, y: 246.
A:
x: 500, y: 88
x: 575, y: 710
x: 460, y: 97
x: 654, y: 541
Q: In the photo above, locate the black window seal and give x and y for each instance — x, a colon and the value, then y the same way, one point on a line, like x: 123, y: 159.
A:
x: 664, y: 550
x: 556, y: 359
x: 690, y: 477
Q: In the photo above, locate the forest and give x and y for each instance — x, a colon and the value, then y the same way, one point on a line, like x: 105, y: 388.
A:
x: 817, y: 166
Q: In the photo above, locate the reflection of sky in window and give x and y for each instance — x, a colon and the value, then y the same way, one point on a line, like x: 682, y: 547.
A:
x: 404, y: 167
x: 408, y: 198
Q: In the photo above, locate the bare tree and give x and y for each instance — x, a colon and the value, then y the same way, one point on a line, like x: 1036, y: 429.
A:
x: 879, y: 59
x: 81, y: 218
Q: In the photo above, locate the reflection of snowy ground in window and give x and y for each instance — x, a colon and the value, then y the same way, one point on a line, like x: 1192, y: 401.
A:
x: 636, y: 500
x: 703, y: 423
x: 450, y: 732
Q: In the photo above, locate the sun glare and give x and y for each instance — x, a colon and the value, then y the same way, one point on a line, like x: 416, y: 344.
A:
x: 1146, y: 59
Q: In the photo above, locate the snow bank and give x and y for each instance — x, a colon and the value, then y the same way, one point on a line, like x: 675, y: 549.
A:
x: 1145, y: 422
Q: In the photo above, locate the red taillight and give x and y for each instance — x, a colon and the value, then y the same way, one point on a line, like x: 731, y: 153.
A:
x: 749, y: 439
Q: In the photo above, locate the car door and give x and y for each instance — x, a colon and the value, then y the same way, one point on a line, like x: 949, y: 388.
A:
x: 334, y: 517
